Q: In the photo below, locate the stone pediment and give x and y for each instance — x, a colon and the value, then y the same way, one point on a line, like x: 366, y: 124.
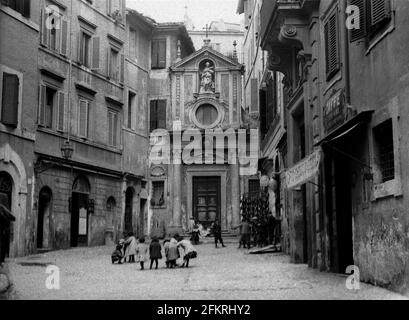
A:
x: 191, y: 62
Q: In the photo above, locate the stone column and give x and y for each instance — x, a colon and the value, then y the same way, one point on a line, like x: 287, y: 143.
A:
x: 235, y: 192
x: 176, y: 225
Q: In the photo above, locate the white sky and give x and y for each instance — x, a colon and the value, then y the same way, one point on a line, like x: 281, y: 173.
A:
x: 200, y: 11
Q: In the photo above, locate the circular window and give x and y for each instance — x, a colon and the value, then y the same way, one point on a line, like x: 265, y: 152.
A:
x: 207, y: 114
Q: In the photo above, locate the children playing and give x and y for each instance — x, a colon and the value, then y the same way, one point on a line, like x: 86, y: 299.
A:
x: 118, y: 255
x: 188, y: 248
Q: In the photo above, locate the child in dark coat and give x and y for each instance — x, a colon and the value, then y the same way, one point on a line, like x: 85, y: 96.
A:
x: 155, y: 252
x: 118, y: 255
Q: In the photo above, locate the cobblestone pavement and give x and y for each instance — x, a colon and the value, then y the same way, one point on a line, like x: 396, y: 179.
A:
x: 225, y: 273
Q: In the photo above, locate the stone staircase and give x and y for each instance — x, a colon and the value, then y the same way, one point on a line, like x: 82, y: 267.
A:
x: 228, y: 237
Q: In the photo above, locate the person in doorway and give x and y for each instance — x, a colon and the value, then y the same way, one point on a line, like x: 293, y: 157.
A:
x: 155, y: 252
x: 130, y: 248
x: 271, y: 222
x: 142, y: 253
x: 217, y: 233
x: 245, y: 233
x: 189, y: 251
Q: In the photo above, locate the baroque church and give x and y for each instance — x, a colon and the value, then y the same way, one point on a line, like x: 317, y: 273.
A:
x: 206, y: 91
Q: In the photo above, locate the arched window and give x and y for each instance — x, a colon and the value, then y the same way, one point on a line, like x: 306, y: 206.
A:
x: 111, y: 203
x: 81, y: 185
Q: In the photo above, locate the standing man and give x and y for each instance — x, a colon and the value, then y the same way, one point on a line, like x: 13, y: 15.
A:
x: 217, y: 233
x: 245, y: 233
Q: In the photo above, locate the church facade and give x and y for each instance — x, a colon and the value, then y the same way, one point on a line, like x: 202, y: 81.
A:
x: 200, y: 178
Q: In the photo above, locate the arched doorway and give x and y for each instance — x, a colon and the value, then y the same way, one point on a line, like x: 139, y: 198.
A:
x: 128, y: 227
x: 79, y: 212
x: 6, y: 188
x: 44, y: 219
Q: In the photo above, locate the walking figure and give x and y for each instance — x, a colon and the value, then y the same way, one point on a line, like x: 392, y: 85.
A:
x: 217, y: 233
x: 155, y: 252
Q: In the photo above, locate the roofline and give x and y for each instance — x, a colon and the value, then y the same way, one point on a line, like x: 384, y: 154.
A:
x: 148, y: 21
x: 177, y: 26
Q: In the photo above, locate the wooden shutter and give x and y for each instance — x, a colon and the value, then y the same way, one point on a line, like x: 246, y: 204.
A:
x: 254, y: 95
x: 380, y: 11
x: 153, y: 115
x: 26, y: 8
x: 79, y: 48
x: 161, y: 114
x: 115, y: 129
x: 64, y: 37
x: 109, y: 62
x: 110, y: 128
x: 331, y: 45
x: 122, y: 69
x: 11, y: 89
x: 154, y: 54
x: 44, y: 30
x: 162, y: 54
x: 358, y: 34
x: 83, y: 118
x: 61, y: 111
x: 95, y: 53
x: 41, y: 106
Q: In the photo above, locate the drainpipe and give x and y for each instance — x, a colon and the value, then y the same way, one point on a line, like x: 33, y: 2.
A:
x: 346, y: 55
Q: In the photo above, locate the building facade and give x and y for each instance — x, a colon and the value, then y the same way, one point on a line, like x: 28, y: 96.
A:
x: 205, y: 96
x: 263, y: 100
x: 345, y: 179
x: 18, y: 104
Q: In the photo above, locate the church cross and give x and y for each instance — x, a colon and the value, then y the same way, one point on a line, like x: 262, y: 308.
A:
x: 207, y: 28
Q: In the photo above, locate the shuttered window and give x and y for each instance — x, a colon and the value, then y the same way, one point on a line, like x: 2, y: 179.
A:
x: 159, y: 54
x: 254, y: 95
x: 373, y: 16
x: 10, y: 99
x: 83, y: 114
x: 358, y: 34
x: 332, y: 58
x: 51, y: 113
x: 21, y: 6
x: 56, y: 37
x: 157, y: 114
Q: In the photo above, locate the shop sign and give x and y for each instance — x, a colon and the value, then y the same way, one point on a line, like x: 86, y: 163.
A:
x: 303, y: 171
x: 334, y: 111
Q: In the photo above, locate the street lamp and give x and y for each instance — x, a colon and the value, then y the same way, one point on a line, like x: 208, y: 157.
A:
x: 67, y: 150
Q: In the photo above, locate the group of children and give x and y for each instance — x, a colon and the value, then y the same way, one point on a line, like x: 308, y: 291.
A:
x: 130, y: 248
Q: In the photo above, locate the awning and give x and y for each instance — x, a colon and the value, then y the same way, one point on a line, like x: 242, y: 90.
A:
x: 347, y: 127
x: 5, y: 214
x: 304, y: 170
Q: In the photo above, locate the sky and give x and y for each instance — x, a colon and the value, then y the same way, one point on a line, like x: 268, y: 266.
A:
x: 200, y: 11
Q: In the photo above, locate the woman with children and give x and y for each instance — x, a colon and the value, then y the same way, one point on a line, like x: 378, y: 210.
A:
x: 130, y: 248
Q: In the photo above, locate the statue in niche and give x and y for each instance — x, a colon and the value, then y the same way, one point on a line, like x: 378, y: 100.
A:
x: 207, y: 78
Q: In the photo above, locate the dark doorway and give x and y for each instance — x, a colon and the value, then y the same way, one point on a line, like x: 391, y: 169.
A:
x: 128, y: 227
x: 79, y: 212
x: 338, y: 172
x: 44, y: 218
x: 141, y: 224
x: 206, y: 200
x: 6, y: 187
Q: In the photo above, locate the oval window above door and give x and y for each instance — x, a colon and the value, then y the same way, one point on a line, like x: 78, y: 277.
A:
x: 207, y: 115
